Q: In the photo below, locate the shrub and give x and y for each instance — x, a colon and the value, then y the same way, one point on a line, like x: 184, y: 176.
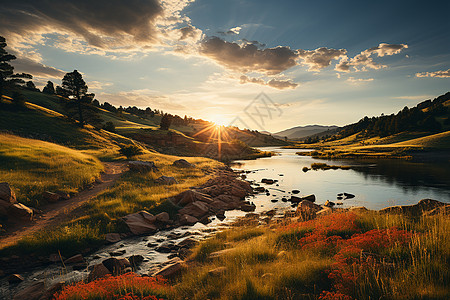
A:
x: 109, y: 126
x: 130, y: 150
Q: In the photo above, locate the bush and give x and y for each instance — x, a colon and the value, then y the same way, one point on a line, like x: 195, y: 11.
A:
x: 109, y: 126
x: 130, y: 150
x: 18, y: 99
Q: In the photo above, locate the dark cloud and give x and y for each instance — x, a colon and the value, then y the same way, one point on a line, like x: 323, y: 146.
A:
x: 438, y: 74
x: 256, y: 43
x: 102, y: 23
x: 321, y: 57
x: 246, y: 58
x: 274, y: 83
x: 232, y: 31
x: 26, y: 65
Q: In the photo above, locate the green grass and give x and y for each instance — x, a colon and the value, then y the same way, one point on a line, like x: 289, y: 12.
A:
x: 32, y: 167
x: 131, y: 193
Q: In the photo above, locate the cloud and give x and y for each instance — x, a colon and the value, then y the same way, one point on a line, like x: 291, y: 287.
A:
x: 438, y: 74
x: 419, y: 97
x: 364, y: 60
x: 358, y: 80
x: 321, y: 57
x: 274, y: 83
x: 248, y: 58
x: 141, y: 98
x: 232, y: 31
x: 26, y: 65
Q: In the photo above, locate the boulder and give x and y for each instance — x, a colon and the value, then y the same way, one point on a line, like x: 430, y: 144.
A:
x: 15, y: 278
x: 50, y: 197
x: 295, y: 192
x: 118, y: 252
x: 295, y: 199
x: 98, y: 271
x: 188, y: 220
x: 171, y: 270
x: 349, y: 196
x: 23, y: 212
x: 166, y: 180
x: 112, y: 237
x: 196, y: 209
x: 247, y: 207
x: 117, y: 266
x: 142, y: 166
x: 418, y: 209
x: 190, y: 196
x: 141, y: 222
x: 441, y: 210
x: 74, y: 259
x: 307, y: 210
x: 32, y: 292
x: 135, y: 260
x: 187, y: 243
x: 6, y: 193
x: 182, y: 163
x: 63, y: 195
x: 329, y: 203
x: 260, y: 189
x: 325, y: 211
x: 163, y: 217
x: 268, y: 181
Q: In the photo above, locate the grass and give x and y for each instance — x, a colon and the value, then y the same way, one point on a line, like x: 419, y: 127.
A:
x: 131, y: 193
x: 32, y: 167
x: 342, y: 256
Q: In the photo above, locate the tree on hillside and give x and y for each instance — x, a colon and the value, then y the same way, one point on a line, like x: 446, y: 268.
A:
x: 75, y: 86
x: 166, y: 120
x: 7, y: 76
x: 31, y: 86
x: 49, y: 88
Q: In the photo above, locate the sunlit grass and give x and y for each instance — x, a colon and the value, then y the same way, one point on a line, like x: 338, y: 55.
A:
x: 32, y: 167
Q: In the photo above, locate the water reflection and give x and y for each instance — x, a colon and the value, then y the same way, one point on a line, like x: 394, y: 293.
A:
x: 376, y: 183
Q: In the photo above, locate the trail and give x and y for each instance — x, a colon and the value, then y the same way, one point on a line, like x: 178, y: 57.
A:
x: 56, y: 213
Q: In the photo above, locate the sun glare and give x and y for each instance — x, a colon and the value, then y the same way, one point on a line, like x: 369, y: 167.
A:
x: 219, y: 120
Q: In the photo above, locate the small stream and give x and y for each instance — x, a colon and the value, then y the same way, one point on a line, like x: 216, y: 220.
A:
x: 376, y: 184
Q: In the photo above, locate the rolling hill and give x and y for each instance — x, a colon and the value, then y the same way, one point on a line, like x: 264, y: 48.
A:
x: 300, y: 132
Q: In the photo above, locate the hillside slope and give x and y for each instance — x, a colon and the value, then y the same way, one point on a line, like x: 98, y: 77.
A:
x: 300, y: 132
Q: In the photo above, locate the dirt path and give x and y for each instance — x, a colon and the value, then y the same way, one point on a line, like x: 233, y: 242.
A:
x: 55, y: 213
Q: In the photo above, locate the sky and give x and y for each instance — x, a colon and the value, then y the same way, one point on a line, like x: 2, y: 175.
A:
x: 265, y: 65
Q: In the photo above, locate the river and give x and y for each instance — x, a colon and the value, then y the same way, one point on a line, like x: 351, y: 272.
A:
x: 375, y: 183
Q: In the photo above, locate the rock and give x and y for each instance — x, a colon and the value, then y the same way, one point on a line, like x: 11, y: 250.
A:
x: 166, y: 180
x: 358, y: 209
x: 329, y: 203
x: 349, y: 196
x: 54, y: 258
x: 196, y: 209
x: 295, y: 192
x: 18, y: 210
x: 74, y: 259
x: 274, y: 200
x: 295, y: 199
x: 325, y: 211
x: 170, y: 270
x: 307, y: 210
x: 418, y: 209
x: 117, y: 266
x: 32, y: 292
x: 50, y: 197
x: 142, y: 166
x: 260, y: 189
x: 48, y: 294
x: 311, y: 198
x: 340, y: 194
x: 63, y: 195
x: 118, y: 252
x: 442, y: 210
x: 7, y: 194
x: 268, y: 181
x: 163, y: 217
x: 219, y: 271
x: 141, y: 222
x: 284, y: 199
x: 190, y: 196
x: 165, y: 248
x: 187, y: 220
x: 182, y: 163
x: 187, y: 243
x: 112, y: 237
x: 339, y: 203
x: 247, y: 207
x: 135, y: 260
x: 15, y: 278
x: 220, y: 253
x: 98, y: 271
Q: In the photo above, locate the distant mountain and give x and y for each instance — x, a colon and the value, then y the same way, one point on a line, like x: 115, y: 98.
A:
x: 300, y: 132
